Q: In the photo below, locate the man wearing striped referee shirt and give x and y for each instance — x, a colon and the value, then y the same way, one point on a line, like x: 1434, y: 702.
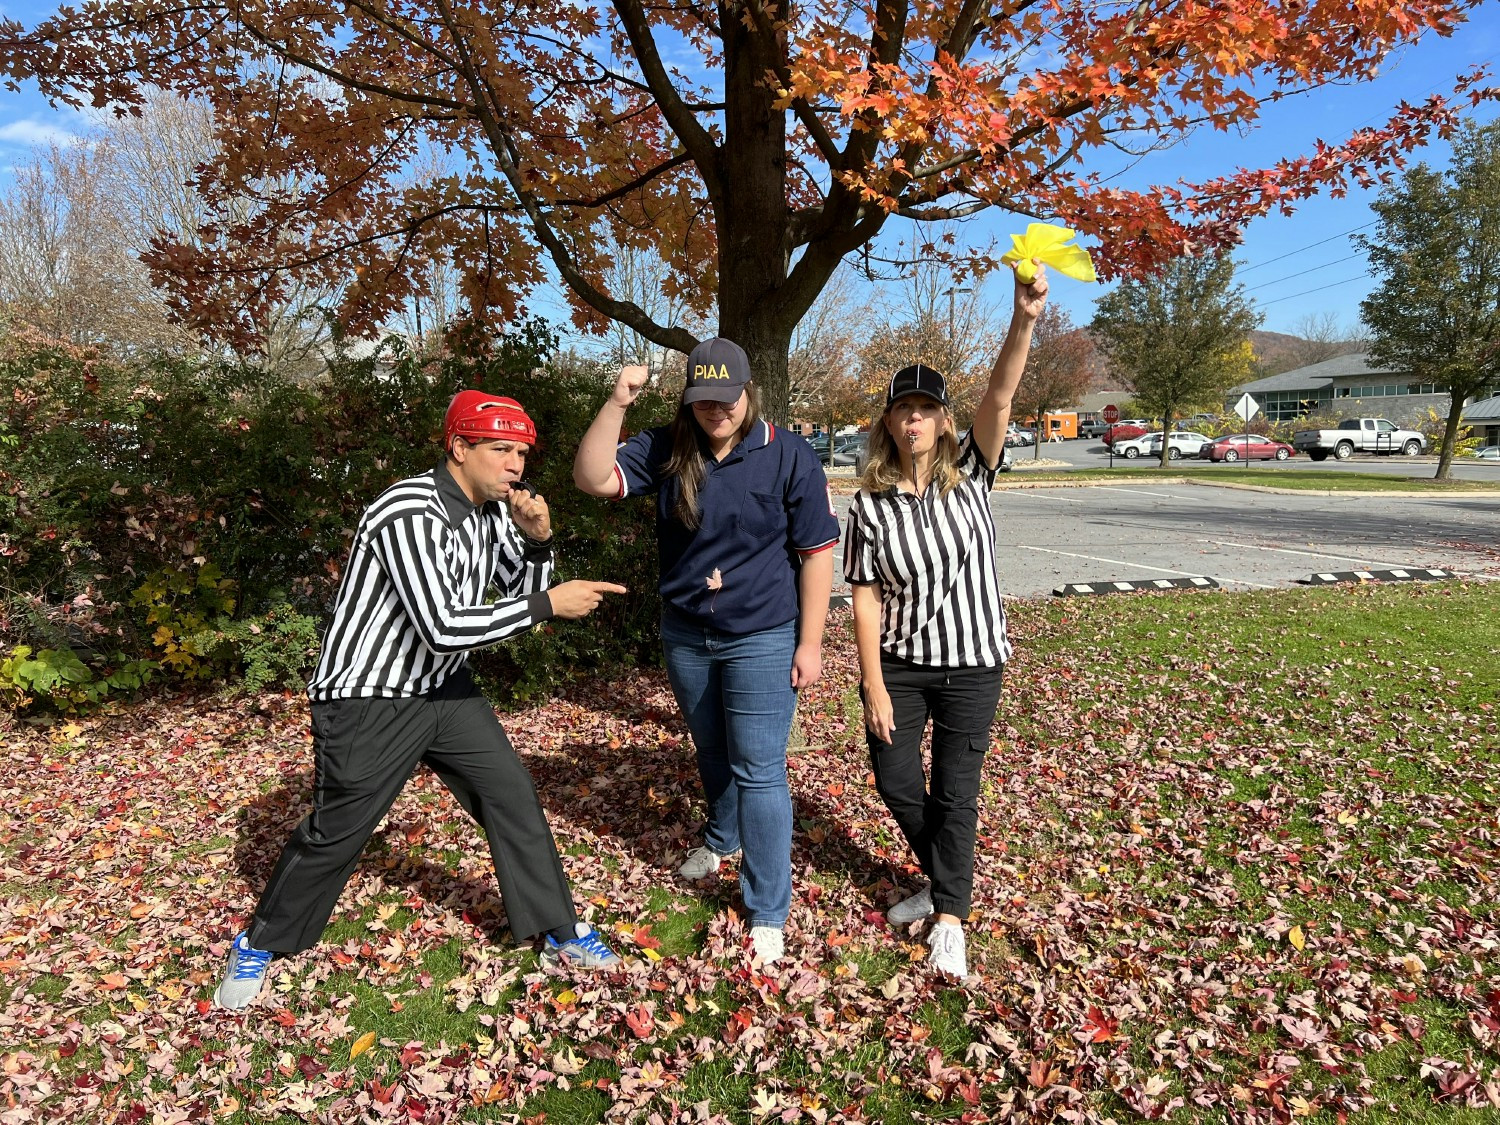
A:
x: 392, y: 689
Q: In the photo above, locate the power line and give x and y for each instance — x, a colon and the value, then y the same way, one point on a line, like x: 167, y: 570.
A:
x: 1309, y: 246
x: 1303, y: 273
x: 1319, y: 289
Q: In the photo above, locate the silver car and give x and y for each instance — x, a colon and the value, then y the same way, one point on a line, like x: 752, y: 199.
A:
x: 1180, y: 443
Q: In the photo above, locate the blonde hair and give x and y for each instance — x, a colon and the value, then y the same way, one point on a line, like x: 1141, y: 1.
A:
x: 686, y: 461
x: 883, y: 459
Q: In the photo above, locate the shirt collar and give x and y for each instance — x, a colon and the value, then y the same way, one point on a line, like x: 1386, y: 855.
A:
x: 455, y: 501
x: 761, y: 435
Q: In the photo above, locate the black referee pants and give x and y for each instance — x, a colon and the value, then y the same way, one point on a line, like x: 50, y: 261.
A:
x: 364, y: 750
x: 939, y: 819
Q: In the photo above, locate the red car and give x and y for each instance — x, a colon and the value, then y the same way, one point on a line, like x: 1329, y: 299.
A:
x: 1246, y: 447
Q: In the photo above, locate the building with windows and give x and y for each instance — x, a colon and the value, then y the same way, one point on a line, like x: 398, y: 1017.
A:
x: 1483, y: 414
x: 1346, y: 385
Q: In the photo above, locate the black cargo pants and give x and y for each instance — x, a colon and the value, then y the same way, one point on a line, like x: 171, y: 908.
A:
x: 939, y: 817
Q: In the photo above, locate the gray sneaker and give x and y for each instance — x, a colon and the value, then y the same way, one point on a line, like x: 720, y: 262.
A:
x: 585, y: 951
x: 243, y: 976
x: 701, y: 863
x: 912, y: 909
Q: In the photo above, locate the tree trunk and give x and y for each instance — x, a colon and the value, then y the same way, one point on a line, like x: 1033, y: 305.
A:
x: 751, y: 216
x: 1450, y: 433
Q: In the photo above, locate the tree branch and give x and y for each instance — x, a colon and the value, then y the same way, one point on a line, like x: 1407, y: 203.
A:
x: 805, y: 113
x: 508, y: 160
x: 695, y: 139
x: 625, y: 189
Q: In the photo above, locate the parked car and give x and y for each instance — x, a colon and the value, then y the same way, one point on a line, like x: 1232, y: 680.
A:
x: 1091, y: 426
x: 1015, y: 436
x: 849, y: 449
x: 1488, y: 453
x: 819, y: 442
x: 1180, y: 443
x: 1359, y: 435
x: 1133, y: 447
x: 1245, y: 447
x: 1120, y: 431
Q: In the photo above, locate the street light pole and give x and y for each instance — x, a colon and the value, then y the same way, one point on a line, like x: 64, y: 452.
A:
x: 949, y: 293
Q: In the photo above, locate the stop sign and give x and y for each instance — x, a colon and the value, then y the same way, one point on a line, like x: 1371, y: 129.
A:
x: 1111, y: 414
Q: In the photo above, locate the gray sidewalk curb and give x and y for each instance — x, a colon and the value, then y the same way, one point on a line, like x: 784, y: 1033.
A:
x: 1009, y: 485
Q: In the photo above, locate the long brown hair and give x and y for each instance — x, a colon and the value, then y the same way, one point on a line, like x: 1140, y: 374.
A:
x: 686, y: 462
x: 883, y: 459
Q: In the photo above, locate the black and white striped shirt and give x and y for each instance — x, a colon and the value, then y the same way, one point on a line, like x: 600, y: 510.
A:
x: 412, y: 601
x: 934, y: 558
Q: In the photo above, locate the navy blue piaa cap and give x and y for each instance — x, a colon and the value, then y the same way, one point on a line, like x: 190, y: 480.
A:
x: 717, y: 371
x: 918, y: 379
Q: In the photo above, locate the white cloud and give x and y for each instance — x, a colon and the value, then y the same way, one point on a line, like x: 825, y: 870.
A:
x: 30, y: 131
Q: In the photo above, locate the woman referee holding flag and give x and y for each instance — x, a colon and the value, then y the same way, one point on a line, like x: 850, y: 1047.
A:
x: 919, y: 552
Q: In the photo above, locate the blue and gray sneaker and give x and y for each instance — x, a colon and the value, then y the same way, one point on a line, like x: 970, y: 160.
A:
x: 586, y: 951
x: 244, y: 975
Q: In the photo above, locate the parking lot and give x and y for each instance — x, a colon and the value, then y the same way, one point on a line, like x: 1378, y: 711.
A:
x: 1084, y: 454
x: 1245, y: 540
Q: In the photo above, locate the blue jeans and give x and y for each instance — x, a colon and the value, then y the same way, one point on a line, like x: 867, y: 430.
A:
x: 735, y: 692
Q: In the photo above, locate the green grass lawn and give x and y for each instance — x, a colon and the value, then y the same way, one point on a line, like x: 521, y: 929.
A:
x: 1322, y: 480
x: 1238, y: 857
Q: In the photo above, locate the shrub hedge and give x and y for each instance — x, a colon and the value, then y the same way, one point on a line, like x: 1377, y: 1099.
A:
x: 196, y: 516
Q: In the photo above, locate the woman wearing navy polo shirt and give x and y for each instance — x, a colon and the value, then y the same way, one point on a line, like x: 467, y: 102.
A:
x: 920, y: 555
x: 745, y: 531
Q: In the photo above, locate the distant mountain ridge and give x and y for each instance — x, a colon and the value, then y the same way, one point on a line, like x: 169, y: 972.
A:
x: 1274, y: 352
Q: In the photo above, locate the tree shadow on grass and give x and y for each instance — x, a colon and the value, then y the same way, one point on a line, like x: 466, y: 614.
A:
x: 646, y: 800
x: 266, y: 824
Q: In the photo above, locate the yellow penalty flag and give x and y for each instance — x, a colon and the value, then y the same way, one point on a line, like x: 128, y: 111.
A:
x: 1048, y: 243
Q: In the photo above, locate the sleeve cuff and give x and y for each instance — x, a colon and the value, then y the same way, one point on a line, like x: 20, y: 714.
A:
x: 807, y: 551
x: 540, y: 606
x: 536, y: 550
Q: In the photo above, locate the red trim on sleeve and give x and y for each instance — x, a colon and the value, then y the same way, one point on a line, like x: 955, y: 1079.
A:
x: 620, y: 476
x: 807, y: 551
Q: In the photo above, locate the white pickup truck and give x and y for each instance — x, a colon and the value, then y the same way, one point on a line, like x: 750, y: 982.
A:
x: 1359, y: 435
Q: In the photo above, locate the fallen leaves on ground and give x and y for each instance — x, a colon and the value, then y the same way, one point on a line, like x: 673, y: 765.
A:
x: 1223, y: 887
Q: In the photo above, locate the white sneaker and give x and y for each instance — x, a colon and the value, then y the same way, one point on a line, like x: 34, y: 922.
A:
x: 912, y: 909
x: 767, y: 943
x: 948, y: 955
x: 700, y: 863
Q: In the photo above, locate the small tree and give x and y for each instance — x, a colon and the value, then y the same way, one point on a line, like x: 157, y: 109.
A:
x: 1436, y: 252
x: 1057, y: 369
x: 823, y: 368
x: 1178, y: 339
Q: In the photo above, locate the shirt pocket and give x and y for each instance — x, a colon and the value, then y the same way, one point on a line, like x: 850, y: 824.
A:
x: 762, y: 515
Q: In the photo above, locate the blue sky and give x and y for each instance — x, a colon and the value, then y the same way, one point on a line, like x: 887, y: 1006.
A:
x: 1293, y: 266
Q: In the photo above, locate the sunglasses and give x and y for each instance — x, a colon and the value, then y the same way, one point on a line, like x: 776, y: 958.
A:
x: 710, y: 406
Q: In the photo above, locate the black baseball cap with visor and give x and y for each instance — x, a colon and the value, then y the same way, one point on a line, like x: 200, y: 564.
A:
x: 717, y: 371
x: 918, y: 379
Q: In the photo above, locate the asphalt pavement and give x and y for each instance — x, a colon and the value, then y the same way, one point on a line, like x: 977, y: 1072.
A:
x: 1136, y: 530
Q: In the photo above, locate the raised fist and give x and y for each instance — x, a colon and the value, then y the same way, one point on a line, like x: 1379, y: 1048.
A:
x: 631, y: 382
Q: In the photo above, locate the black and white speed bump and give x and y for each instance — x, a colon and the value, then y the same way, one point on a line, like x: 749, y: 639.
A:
x: 1411, y: 574
x: 1134, y: 585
